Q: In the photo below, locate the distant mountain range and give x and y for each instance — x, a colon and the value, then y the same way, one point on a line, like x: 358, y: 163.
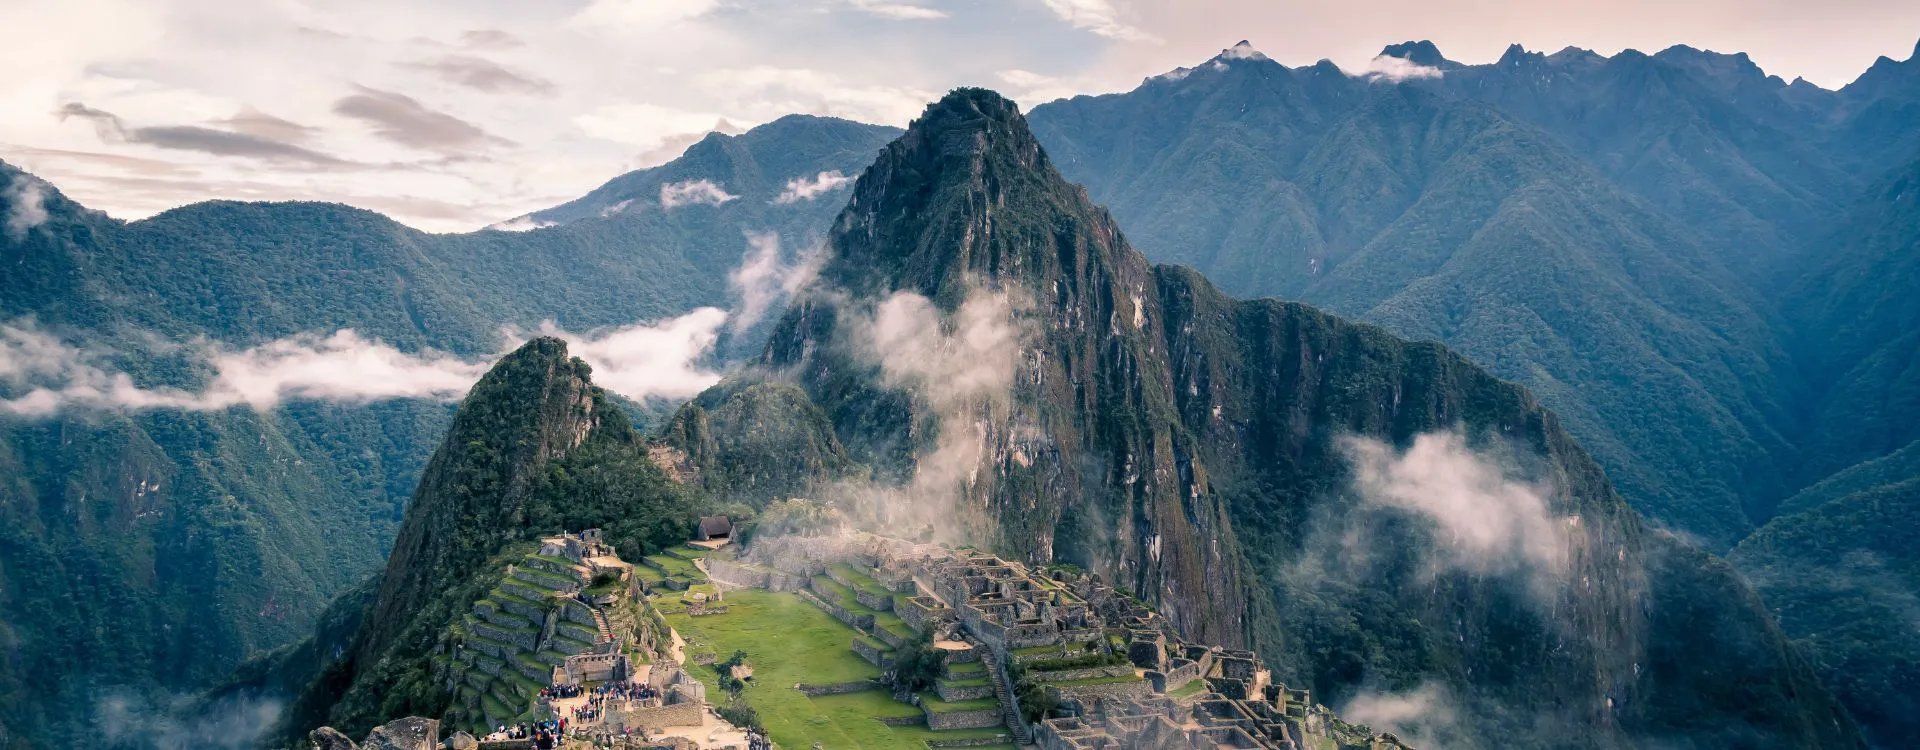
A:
x: 1702, y: 270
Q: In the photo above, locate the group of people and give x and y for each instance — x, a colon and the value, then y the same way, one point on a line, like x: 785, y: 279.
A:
x: 560, y: 691
x: 545, y: 734
x: 598, y: 698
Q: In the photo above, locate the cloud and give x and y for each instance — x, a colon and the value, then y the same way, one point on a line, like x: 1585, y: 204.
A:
x: 643, y: 360
x: 651, y: 360
x: 763, y: 280
x: 769, y: 91
x: 661, y: 132
x: 126, y: 719
x: 1484, y: 520
x: 205, y: 140
x: 897, y: 11
x: 481, y: 74
x: 1097, y: 16
x: 1424, y: 716
x: 489, y: 39
x: 259, y: 124
x: 402, y: 119
x: 804, y: 189
x: 26, y: 206
x: 640, y: 15
x: 959, y: 370
x: 708, y: 192
x: 521, y: 224
x: 1396, y: 70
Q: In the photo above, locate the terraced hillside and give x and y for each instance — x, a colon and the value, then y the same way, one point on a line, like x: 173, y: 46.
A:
x: 505, y: 649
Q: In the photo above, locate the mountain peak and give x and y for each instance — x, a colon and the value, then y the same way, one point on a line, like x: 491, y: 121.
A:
x: 1243, y: 50
x: 1422, y: 52
x: 1517, y: 54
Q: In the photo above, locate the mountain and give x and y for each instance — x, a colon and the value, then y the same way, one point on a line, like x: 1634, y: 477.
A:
x: 999, y: 362
x: 775, y: 170
x: 535, y: 448
x: 1443, y: 218
x: 158, y: 549
x: 1845, y: 582
x: 1836, y: 564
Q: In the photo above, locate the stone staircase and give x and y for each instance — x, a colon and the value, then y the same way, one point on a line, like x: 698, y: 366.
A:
x: 1003, y: 690
x: 600, y: 623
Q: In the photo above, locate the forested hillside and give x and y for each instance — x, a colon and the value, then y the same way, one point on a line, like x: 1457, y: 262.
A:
x: 157, y: 549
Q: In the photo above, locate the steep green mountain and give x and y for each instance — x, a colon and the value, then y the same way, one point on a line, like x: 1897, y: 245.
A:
x: 535, y: 448
x: 1845, y: 581
x: 1837, y: 564
x: 1856, y: 323
x: 148, y: 554
x: 1443, y: 219
x: 1198, y: 451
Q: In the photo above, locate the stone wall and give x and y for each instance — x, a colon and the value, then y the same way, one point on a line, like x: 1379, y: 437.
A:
x: 1135, y: 689
x: 976, y: 719
x: 871, y: 600
x: 874, y: 656
x: 838, y: 688
x: 1083, y: 673
x: 951, y: 692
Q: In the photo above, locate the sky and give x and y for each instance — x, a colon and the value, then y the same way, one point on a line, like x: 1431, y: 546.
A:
x: 452, y: 114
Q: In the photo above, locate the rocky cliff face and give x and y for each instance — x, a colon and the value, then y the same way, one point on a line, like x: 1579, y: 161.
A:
x: 985, y: 341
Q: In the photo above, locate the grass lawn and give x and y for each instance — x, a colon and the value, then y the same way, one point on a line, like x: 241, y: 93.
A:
x: 960, y: 669
x: 1191, y: 688
x: 676, y: 566
x: 789, y: 641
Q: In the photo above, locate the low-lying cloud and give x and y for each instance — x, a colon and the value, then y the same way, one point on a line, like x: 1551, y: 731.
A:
x: 806, y: 189
x: 1424, y: 716
x: 706, y: 192
x: 521, y: 224
x: 26, y: 206
x: 959, y: 369
x: 1392, y: 69
x: 897, y: 11
x: 129, y: 720
x: 1484, y: 520
x: 50, y: 375
x: 765, y: 279
x: 657, y: 360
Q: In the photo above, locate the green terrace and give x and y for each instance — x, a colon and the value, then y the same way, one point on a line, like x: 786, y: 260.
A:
x: 788, y: 642
x: 675, y: 566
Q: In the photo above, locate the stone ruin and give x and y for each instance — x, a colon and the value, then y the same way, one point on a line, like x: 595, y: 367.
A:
x: 411, y: 733
x: 1186, y: 695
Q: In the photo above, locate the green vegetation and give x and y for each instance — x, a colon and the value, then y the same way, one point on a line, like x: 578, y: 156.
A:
x: 789, y: 641
x: 1193, y: 687
x: 917, y: 666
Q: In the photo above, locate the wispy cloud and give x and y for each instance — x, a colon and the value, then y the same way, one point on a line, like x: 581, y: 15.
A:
x: 1096, y: 16
x: 404, y: 120
x: 26, y: 206
x: 205, y: 140
x: 1390, y: 69
x: 651, y: 360
x: 897, y: 11
x: 806, y: 189
x: 481, y: 74
x: 520, y: 224
x: 704, y: 192
x: 1484, y: 520
x: 764, y: 279
x: 51, y: 375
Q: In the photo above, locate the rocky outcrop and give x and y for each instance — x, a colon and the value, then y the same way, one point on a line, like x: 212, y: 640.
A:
x: 411, y: 733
